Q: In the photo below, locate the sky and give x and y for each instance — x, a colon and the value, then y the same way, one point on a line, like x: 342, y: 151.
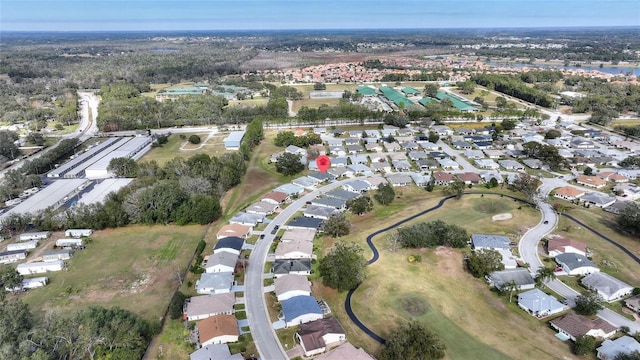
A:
x: 153, y: 15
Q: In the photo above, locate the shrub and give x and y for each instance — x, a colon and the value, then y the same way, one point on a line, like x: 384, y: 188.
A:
x: 194, y: 139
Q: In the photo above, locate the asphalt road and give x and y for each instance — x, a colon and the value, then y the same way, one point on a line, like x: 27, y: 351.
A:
x: 265, y: 338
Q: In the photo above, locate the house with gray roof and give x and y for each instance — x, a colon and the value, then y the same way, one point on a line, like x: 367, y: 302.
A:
x: 448, y: 163
x: 261, y: 208
x: 231, y: 244
x: 303, y: 222
x: 330, y: 202
x: 352, y: 141
x: 355, y: 149
x: 521, y: 277
x: 215, y: 283
x: 392, y: 146
x: 296, y: 150
x: 398, y: 179
x: 306, y: 182
x: 340, y: 172
x: 539, y: 304
x: 623, y: 345
x: 376, y: 181
x: 610, y: 288
x: 215, y: 351
x: 420, y: 179
x: 300, y: 309
x: 473, y: 154
x: 359, y: 159
x: 401, y: 165
x: 360, y: 169
x: 204, y: 306
x: 511, y: 165
x: 428, y: 146
x: 461, y: 145
x: 319, y: 212
x: 290, y: 189
x: 427, y: 164
x: 337, y: 150
x: 490, y: 242
x: 576, y: 264
x: 417, y: 155
x: 322, y: 177
x: 222, y: 261
x: 532, y: 163
x: 334, y: 142
x: 357, y: 186
x: 486, y: 164
x: 342, y: 194
x: 243, y: 218
x: 54, y: 255
x: 598, y: 199
x: 339, y: 161
x: 288, y: 286
x: 291, y: 266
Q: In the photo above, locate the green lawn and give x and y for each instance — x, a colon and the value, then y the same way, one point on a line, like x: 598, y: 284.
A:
x: 109, y: 273
x: 177, y: 146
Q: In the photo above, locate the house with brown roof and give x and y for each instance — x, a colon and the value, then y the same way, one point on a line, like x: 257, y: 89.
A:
x: 237, y: 230
x: 469, y: 178
x: 575, y: 326
x: 613, y: 177
x: 591, y: 181
x: 558, y: 245
x: 276, y: 198
x: 202, y: 307
x: 568, y: 193
x: 345, y: 351
x: 443, y: 178
x: 218, y: 329
x: 317, y: 336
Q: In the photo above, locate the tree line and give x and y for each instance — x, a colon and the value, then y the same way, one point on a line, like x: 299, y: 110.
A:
x: 513, y: 86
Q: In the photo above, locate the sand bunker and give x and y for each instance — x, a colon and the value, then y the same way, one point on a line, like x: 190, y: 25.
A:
x: 503, y: 216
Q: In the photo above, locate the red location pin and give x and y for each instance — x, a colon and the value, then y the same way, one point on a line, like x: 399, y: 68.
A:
x: 323, y: 162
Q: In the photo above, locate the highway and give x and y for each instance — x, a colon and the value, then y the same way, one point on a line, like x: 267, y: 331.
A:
x: 264, y: 336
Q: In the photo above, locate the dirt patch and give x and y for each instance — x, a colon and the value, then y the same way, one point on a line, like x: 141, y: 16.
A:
x: 501, y: 217
x: 413, y: 305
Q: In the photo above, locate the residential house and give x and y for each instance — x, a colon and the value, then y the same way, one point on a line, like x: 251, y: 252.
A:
x: 231, y: 244
x: 218, y: 329
x: 372, y: 133
x: 439, y: 155
x: 295, y: 249
x: 617, y: 207
x: 359, y: 169
x: 473, y: 154
x: 428, y: 146
x: 222, y: 261
x: 427, y: 164
x: 359, y: 159
x: 401, y: 165
x: 355, y: 149
x: 539, y: 304
x: 276, y: 197
x: 568, y: 193
x: 442, y: 178
x: 532, y: 163
x: 25, y: 245
x: 298, y: 234
x: 340, y: 172
x: 34, y: 236
x: 490, y: 242
x: 486, y: 164
x: 442, y: 130
x: 317, y: 336
x: 345, y: 351
x: 419, y: 179
x: 494, y: 154
x: 598, y: 199
x: 488, y: 175
x: 243, y: 218
x: 303, y: 222
x: 74, y: 242
x: 288, y: 286
x: 469, y: 178
x: 417, y: 155
x: 511, y: 165
x: 559, y: 245
x: 78, y: 232
x: 319, y: 212
x: 582, y: 143
x: 357, y: 186
x: 461, y: 145
x: 342, y: 194
x: 295, y: 150
x: 628, y: 191
x: 40, y: 267
x: 398, y: 179
x: 291, y: 266
x: 610, y: 288
x: 300, y: 309
x: 576, y: 264
x: 215, y: 283
x: 591, y: 181
x: 448, y: 163
x: 54, y: 255
x: 321, y: 177
x: 204, y: 306
x: 9, y: 257
x: 33, y: 283
x: 610, y: 349
x: 290, y: 189
x: 376, y: 181
x: 305, y: 182
x: 374, y: 147
x: 261, y: 208
x: 393, y: 146
x: 576, y: 326
x: 215, y: 351
x: 633, y: 303
x: 330, y: 202
x: 237, y: 230
x: 520, y: 277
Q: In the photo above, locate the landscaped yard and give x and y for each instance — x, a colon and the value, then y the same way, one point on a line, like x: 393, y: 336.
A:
x: 474, y: 322
x: 178, y: 146
x: 133, y: 268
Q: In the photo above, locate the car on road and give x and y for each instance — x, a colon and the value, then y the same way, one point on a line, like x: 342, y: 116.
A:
x: 262, y: 236
x: 546, y: 222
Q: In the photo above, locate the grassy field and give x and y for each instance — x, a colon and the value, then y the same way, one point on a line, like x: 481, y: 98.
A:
x: 474, y: 322
x: 110, y: 274
x: 177, y: 146
x: 624, y: 122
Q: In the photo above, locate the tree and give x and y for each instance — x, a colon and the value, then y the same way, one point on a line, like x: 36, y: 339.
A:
x: 8, y: 148
x: 385, y: 194
x: 194, y: 139
x: 337, y: 225
x: 589, y: 303
x: 413, y: 341
x: 10, y: 278
x: 176, y: 304
x: 584, y: 345
x: 629, y: 218
x: 481, y: 263
x: 319, y: 86
x: 467, y: 87
x: 432, y: 234
x: 123, y: 167
x: 289, y: 164
x: 631, y: 356
x: 456, y: 188
x: 508, y: 124
x: 588, y: 171
x: 501, y: 102
x: 552, y: 134
x: 433, y: 137
x: 631, y: 162
x: 360, y: 205
x: 431, y: 90
x: 526, y: 184
x: 344, y: 267
x: 543, y: 275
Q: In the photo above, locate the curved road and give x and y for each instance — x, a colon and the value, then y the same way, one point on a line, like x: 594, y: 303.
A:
x: 264, y: 336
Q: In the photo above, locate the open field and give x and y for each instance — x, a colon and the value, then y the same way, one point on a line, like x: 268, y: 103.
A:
x: 110, y: 274
x: 453, y: 303
x: 608, y: 257
x: 176, y: 146
x: 312, y: 103
x: 624, y: 122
